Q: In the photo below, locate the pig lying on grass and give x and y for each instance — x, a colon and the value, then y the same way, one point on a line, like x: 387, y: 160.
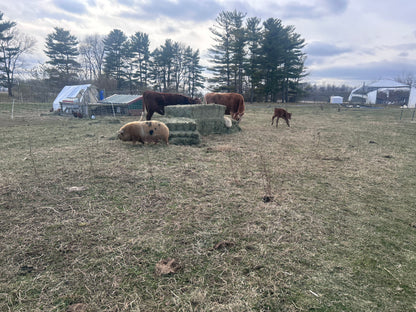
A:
x: 144, y: 132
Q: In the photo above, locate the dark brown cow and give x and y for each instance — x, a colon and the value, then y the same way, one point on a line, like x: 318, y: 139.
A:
x: 233, y: 102
x: 281, y: 113
x: 156, y: 102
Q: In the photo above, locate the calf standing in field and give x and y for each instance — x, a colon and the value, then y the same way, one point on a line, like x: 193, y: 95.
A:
x: 281, y: 113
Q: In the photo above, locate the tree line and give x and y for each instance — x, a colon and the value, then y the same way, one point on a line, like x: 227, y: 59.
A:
x: 125, y: 62
x: 261, y: 60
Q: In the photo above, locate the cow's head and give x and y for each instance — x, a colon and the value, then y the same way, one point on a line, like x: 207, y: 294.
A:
x: 196, y: 101
x: 237, y: 116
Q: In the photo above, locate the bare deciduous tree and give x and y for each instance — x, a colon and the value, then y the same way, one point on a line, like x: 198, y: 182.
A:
x: 92, y: 54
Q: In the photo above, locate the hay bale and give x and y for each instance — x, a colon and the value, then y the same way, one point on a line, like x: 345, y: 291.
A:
x: 209, y: 117
x: 187, y: 123
x: 185, y: 137
x: 182, y: 131
x: 196, y: 111
x: 180, y: 124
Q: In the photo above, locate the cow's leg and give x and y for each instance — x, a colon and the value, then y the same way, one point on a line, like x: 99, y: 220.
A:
x: 149, y: 115
x: 287, y: 121
x: 273, y: 119
x: 277, y: 121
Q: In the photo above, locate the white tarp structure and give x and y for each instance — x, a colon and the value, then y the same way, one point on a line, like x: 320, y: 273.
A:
x: 412, y: 98
x: 336, y: 99
x: 76, y: 98
x: 369, y: 92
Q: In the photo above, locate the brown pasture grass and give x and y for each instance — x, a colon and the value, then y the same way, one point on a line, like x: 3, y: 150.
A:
x: 85, y: 218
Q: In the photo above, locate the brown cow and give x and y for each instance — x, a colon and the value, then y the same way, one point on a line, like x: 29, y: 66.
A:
x: 233, y: 102
x: 156, y: 102
x: 281, y: 113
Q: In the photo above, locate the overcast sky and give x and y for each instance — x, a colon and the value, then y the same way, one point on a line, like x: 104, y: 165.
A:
x: 348, y: 41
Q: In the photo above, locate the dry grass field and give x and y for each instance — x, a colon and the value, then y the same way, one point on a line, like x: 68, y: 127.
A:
x: 320, y: 216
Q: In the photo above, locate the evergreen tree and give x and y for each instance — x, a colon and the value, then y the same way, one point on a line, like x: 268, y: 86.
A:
x: 61, y: 48
x: 5, y: 37
x: 178, y: 65
x: 193, y: 78
x: 282, y: 61
x: 272, y: 61
x: 156, y: 72
x: 238, y: 42
x: 252, y: 70
x: 140, y: 58
x: 115, y: 53
x: 4, y: 27
x: 293, y: 63
x: 221, y: 53
x: 163, y: 66
x: 12, y: 46
x: 129, y: 71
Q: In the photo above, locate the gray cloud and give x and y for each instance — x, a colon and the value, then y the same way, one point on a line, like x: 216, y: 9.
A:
x: 73, y: 6
x: 367, y: 71
x: 317, y: 48
x: 406, y: 47
x: 335, y: 6
x: 181, y: 10
x: 307, y: 11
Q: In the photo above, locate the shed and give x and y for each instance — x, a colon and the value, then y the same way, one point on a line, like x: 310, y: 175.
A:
x: 126, y: 104
x: 76, y: 98
x: 335, y: 99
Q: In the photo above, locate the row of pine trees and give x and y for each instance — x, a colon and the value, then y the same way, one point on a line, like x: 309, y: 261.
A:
x: 127, y: 61
x: 261, y: 60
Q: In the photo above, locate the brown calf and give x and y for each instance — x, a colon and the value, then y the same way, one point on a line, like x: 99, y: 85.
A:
x: 281, y: 113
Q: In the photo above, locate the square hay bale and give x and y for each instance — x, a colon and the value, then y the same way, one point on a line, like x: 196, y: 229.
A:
x: 180, y: 124
x: 196, y: 111
x: 182, y: 131
x: 184, y: 137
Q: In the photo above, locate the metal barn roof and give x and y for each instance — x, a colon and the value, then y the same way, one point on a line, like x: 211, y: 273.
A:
x: 121, y: 99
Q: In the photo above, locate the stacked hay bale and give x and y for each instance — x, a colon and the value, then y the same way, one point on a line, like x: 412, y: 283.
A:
x: 187, y: 123
x: 182, y: 131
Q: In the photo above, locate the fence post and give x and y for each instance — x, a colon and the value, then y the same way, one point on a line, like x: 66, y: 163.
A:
x: 13, y: 109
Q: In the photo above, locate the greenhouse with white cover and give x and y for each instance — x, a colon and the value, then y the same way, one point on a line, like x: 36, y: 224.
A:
x: 384, y: 92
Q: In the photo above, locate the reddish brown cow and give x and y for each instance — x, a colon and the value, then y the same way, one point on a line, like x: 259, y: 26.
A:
x: 233, y: 102
x: 156, y: 102
x: 281, y: 113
